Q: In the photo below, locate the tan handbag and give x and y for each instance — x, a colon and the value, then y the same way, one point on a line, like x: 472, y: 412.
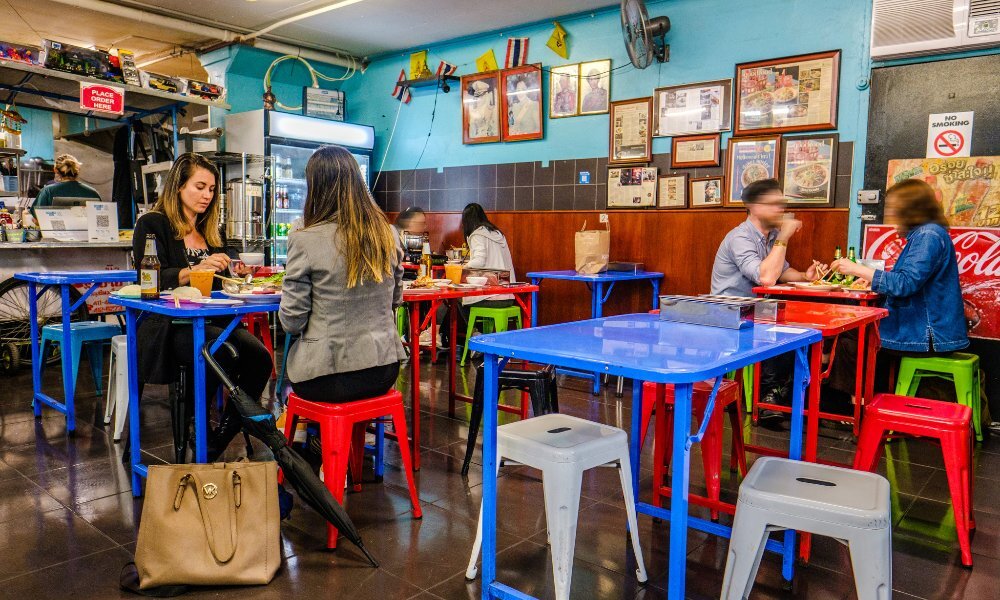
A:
x: 592, y: 247
x: 214, y: 524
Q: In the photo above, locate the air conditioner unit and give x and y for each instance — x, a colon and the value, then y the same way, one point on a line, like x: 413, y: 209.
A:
x: 902, y: 28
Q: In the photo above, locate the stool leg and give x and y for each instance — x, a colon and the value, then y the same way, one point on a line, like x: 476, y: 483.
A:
x: 335, y: 438
x: 95, y: 356
x: 120, y: 374
x: 625, y: 474
x: 969, y: 396
x: 746, y: 547
x: 648, y: 406
x: 871, y: 559
x: 472, y: 570
x: 399, y: 425
x: 475, y: 420
x: 356, y: 464
x: 904, y: 379
x: 663, y: 442
x: 711, y: 455
x: 553, y: 394
x: 562, y: 507
x: 869, y: 446
x: 379, y: 451
x: 739, y: 453
x: 468, y: 335
x: 109, y: 405
x: 955, y: 448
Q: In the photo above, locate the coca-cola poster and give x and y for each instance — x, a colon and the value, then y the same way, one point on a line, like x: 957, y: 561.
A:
x: 978, y: 253
x: 967, y: 188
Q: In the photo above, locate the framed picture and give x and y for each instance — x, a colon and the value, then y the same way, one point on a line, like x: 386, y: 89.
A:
x: 521, y: 103
x: 706, y: 192
x: 672, y: 191
x: 481, y: 108
x: 630, y: 138
x: 693, y: 108
x: 631, y: 187
x: 748, y: 160
x: 564, y: 86
x: 695, y: 151
x: 595, y: 87
x: 809, y: 169
x: 797, y: 93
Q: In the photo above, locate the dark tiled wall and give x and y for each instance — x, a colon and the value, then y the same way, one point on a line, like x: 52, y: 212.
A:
x: 530, y: 186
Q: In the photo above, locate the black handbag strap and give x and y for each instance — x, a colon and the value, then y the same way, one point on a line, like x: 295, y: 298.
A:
x: 128, y: 580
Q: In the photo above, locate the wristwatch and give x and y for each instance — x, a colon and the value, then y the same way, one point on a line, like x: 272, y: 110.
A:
x: 780, y: 243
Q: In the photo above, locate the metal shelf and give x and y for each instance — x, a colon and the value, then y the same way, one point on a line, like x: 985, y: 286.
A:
x: 38, y: 86
x: 293, y: 181
x: 13, y: 152
x: 236, y: 158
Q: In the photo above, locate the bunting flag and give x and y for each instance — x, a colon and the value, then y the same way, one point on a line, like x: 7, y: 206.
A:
x: 401, y: 92
x: 487, y: 61
x: 517, y: 52
x: 558, y: 41
x: 446, y: 68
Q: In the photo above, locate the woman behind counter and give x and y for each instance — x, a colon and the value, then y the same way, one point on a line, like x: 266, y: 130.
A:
x: 185, y: 223
x: 343, y: 281
x: 67, y: 170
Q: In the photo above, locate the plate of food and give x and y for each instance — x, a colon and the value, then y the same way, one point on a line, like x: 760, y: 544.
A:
x: 422, y: 283
x: 217, y: 301
x: 816, y: 286
x: 184, y: 293
x: 786, y: 94
x: 133, y: 291
x: 810, y: 177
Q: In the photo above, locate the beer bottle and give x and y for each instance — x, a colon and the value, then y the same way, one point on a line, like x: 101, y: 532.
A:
x: 425, y: 260
x: 149, y: 271
x: 851, y: 256
x: 837, y: 255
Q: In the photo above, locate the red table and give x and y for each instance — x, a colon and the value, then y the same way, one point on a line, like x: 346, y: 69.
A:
x: 795, y: 293
x: 434, y: 297
x: 831, y: 320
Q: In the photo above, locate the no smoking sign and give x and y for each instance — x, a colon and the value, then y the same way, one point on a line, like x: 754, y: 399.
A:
x: 949, y: 134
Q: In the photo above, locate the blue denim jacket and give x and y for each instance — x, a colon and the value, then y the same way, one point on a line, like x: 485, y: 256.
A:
x: 923, y: 295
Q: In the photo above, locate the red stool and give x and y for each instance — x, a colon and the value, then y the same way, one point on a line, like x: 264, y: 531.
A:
x: 661, y: 397
x: 945, y: 421
x: 259, y: 327
x: 342, y: 425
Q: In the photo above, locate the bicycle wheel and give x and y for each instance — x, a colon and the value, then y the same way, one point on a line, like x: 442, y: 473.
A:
x: 15, y: 323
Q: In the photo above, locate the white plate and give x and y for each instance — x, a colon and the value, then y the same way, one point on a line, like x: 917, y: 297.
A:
x: 466, y: 286
x: 429, y: 290
x: 216, y: 301
x: 802, y: 285
x: 255, y: 298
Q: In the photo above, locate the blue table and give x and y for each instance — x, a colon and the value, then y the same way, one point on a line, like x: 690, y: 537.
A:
x: 197, y: 314
x: 643, y: 348
x: 64, y: 280
x: 596, y: 284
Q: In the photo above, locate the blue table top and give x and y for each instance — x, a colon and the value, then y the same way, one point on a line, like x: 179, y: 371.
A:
x: 643, y: 347
x: 188, y: 310
x: 70, y: 277
x: 606, y: 276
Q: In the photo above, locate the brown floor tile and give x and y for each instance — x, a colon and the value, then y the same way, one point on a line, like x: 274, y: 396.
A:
x: 115, y: 516
x: 21, y: 497
x: 85, y: 482
x: 92, y: 577
x: 45, y: 539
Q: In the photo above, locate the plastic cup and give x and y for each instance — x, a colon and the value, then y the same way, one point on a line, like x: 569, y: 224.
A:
x: 202, y: 280
x: 453, y: 272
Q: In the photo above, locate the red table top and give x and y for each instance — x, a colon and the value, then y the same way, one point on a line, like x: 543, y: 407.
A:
x: 830, y: 319
x: 450, y: 294
x: 787, y: 290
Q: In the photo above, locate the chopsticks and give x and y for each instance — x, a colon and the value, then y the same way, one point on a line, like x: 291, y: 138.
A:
x: 230, y: 279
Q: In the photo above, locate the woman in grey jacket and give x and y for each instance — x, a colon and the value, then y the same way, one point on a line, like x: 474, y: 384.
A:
x: 343, y: 282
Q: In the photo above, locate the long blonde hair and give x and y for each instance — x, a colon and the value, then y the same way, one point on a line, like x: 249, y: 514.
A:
x: 336, y: 192
x: 169, y: 202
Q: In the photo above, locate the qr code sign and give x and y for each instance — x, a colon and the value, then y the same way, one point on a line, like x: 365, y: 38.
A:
x: 103, y: 221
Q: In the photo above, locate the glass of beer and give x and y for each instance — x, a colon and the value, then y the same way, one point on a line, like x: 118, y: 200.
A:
x: 202, y: 280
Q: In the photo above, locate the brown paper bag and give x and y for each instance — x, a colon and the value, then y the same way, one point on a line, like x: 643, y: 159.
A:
x: 592, y: 249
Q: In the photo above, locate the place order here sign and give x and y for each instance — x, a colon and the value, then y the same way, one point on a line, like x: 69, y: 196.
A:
x: 102, y: 98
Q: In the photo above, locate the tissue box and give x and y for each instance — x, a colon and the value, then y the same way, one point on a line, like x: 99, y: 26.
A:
x: 715, y: 312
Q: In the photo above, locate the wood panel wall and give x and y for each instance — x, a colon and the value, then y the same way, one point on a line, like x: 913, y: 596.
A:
x: 681, y: 244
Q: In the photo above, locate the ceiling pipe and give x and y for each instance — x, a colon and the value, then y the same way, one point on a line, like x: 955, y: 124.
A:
x: 299, y: 17
x: 206, y: 31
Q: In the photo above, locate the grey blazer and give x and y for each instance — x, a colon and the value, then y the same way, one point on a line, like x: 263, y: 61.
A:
x: 340, y: 329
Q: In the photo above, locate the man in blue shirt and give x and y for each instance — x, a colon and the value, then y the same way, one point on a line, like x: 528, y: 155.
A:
x: 753, y: 254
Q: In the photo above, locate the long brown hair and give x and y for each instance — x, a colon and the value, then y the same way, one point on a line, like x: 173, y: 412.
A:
x: 336, y: 192
x: 916, y: 205
x: 169, y: 202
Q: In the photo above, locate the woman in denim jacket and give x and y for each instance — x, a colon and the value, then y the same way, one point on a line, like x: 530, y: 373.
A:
x: 926, y: 313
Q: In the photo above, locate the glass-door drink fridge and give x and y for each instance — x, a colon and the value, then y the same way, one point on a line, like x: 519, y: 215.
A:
x: 290, y: 140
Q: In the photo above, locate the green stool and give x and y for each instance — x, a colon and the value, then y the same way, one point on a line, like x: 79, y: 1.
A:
x: 960, y: 368
x: 494, y: 319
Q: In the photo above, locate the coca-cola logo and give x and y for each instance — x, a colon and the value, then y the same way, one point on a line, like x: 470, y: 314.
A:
x: 978, y: 252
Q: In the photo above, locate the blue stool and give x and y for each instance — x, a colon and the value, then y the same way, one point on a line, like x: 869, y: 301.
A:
x: 92, y: 333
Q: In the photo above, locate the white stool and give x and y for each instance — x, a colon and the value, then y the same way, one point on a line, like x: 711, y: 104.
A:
x: 851, y: 506
x: 117, y: 401
x: 563, y: 447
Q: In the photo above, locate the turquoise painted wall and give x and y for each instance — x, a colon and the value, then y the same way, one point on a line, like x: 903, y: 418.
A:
x: 707, y: 39
x: 36, y: 135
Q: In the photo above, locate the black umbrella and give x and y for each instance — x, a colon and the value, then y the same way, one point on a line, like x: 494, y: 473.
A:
x: 261, y: 424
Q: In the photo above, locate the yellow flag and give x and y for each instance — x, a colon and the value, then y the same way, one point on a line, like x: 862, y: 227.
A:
x: 487, y: 62
x: 558, y: 41
x: 418, y: 65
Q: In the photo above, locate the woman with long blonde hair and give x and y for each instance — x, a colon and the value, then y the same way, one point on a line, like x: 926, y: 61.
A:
x: 343, y: 282
x: 185, y: 224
